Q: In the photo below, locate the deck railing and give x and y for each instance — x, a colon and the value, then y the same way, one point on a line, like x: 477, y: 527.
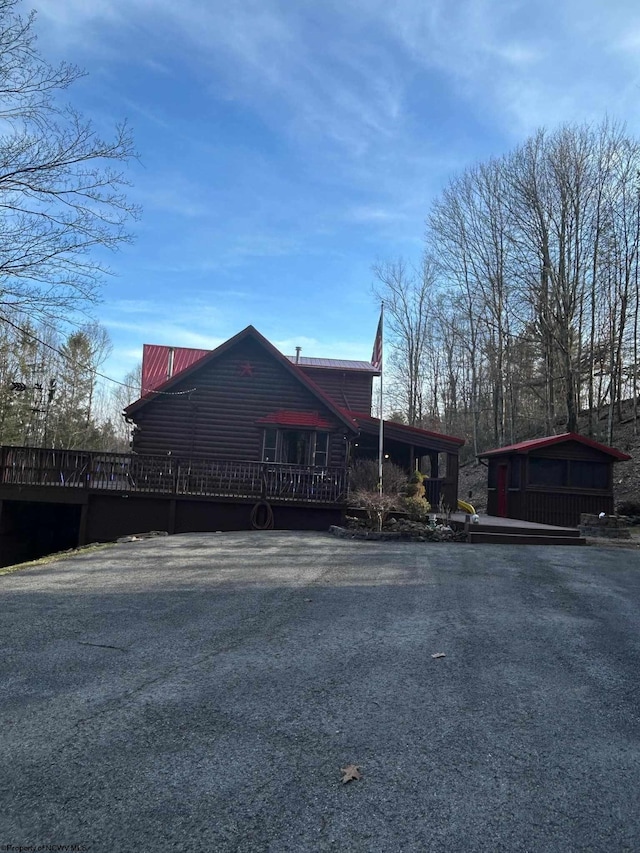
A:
x: 83, y: 469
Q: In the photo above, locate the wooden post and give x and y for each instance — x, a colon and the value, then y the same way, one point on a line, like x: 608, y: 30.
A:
x: 467, y: 527
x: 171, y: 524
x: 82, y: 530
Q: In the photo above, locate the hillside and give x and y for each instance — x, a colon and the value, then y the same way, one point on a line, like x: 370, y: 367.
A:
x: 473, y: 476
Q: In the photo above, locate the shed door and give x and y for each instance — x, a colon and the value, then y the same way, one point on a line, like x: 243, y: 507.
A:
x: 502, y: 491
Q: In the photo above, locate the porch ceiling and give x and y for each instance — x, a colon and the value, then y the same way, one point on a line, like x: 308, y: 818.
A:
x: 422, y: 441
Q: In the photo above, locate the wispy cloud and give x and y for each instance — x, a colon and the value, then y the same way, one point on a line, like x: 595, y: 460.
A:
x: 343, y: 72
x: 283, y: 136
x: 370, y: 213
x: 329, y: 86
x: 172, y: 195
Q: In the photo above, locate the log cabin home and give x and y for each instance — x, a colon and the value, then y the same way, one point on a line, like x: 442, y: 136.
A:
x: 238, y: 437
x: 246, y: 402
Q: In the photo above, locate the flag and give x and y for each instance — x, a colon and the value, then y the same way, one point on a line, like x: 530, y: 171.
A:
x: 376, y: 355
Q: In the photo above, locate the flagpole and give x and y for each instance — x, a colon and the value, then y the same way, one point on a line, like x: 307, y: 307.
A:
x: 381, y: 431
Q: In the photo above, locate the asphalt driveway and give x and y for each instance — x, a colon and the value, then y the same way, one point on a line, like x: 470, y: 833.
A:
x: 202, y: 692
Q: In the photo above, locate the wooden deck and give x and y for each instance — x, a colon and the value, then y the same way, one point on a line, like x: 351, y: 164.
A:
x: 494, y: 530
x: 58, y: 470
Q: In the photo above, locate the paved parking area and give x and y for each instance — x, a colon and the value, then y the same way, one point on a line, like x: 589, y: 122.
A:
x: 202, y: 692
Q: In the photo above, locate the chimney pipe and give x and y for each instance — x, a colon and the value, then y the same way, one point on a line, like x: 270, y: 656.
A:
x: 298, y: 355
x: 170, y: 362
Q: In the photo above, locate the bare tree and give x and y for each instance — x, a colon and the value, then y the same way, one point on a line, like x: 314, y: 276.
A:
x: 61, y: 184
x: 536, y: 292
x: 409, y: 297
x: 574, y: 210
x: 121, y: 396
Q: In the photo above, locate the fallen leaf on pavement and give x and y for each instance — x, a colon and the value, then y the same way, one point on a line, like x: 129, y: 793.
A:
x: 351, y: 772
x: 439, y: 655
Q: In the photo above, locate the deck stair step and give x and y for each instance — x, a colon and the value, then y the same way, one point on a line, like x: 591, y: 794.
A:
x: 525, y: 537
x: 528, y: 530
x: 512, y: 531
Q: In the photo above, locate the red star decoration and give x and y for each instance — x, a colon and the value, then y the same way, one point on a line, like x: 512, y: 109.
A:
x: 246, y: 369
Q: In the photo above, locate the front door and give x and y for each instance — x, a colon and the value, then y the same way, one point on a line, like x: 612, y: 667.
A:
x: 502, y: 491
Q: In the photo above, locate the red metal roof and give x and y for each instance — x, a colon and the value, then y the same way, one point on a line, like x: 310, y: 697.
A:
x: 155, y: 376
x: 548, y: 440
x: 156, y: 362
x: 252, y: 332
x: 285, y: 417
x: 335, y: 364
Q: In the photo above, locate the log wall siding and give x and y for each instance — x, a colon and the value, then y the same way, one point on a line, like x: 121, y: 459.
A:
x: 347, y: 388
x: 219, y: 418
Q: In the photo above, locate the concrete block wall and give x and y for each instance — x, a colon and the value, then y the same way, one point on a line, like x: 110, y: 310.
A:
x: 607, y: 527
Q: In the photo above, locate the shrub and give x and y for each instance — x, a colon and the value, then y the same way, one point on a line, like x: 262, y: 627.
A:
x: 364, y: 477
x: 415, y: 486
x: 414, y: 502
x: 394, y: 478
x: 376, y: 506
x: 417, y: 508
x: 444, y: 510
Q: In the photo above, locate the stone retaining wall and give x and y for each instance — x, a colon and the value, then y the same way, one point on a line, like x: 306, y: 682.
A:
x: 608, y: 527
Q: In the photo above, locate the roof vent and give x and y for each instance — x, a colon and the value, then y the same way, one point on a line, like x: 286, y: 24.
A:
x: 298, y: 349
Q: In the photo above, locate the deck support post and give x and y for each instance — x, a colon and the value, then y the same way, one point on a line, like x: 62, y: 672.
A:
x: 171, y: 523
x: 82, y: 529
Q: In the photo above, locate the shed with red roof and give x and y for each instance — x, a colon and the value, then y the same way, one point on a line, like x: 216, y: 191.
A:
x: 551, y: 480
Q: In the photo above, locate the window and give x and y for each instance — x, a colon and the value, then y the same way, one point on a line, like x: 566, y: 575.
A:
x: 547, y: 472
x: 270, y: 445
x: 590, y: 475
x: 514, y: 473
x: 321, y: 450
x: 295, y: 447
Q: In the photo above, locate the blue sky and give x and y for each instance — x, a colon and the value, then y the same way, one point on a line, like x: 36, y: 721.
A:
x: 287, y: 145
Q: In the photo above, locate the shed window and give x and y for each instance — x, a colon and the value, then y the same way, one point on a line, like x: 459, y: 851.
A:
x: 514, y: 473
x: 547, y: 472
x: 590, y: 475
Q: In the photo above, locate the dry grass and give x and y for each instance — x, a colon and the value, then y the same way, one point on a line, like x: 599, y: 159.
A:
x: 53, y: 558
